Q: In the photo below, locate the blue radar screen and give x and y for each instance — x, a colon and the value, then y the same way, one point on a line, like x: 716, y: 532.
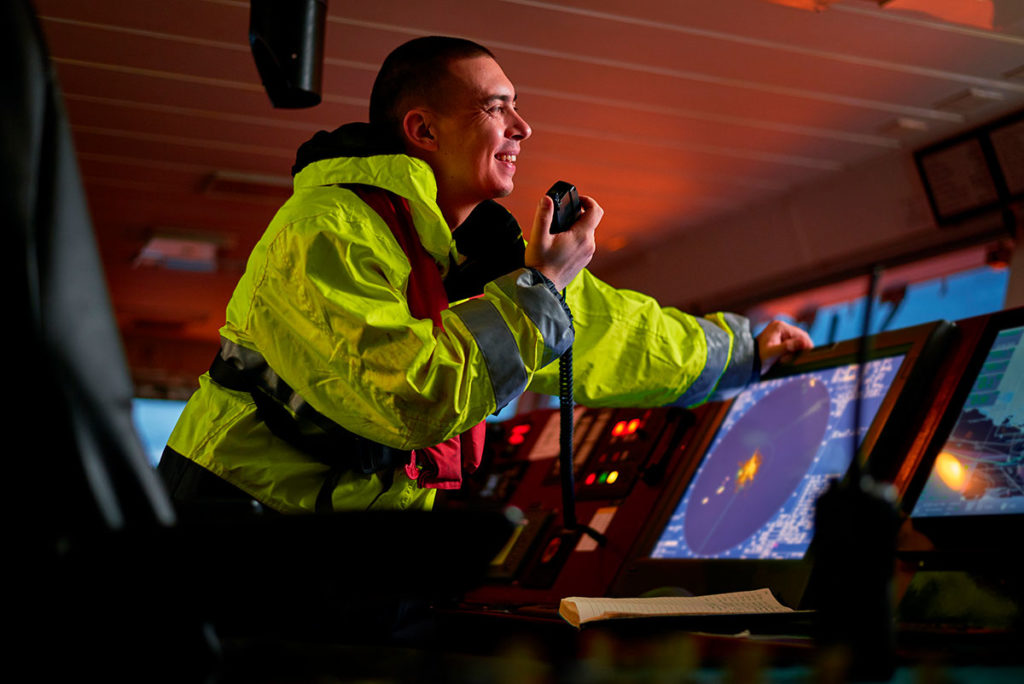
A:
x: 777, y: 449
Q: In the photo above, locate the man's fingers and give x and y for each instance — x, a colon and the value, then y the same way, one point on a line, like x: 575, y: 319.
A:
x: 592, y: 212
x: 802, y: 339
x: 542, y: 220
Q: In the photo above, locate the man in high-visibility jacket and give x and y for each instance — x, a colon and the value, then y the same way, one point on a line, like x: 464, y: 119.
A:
x: 364, y: 344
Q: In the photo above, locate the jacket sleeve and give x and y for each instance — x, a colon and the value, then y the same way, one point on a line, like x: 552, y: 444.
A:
x: 324, y: 301
x: 631, y: 351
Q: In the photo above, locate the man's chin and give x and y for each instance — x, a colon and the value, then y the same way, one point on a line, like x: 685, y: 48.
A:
x: 503, y: 190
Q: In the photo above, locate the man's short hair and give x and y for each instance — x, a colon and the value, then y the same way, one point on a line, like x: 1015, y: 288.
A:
x: 415, y: 73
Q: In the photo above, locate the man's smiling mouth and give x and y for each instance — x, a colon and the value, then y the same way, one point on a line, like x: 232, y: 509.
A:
x: 509, y: 158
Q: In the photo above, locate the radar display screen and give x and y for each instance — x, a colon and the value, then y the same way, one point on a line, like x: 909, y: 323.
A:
x: 778, y: 447
x: 980, y: 469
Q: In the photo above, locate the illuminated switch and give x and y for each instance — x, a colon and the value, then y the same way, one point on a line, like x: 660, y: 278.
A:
x: 590, y: 479
x: 613, y: 476
x: 518, y: 435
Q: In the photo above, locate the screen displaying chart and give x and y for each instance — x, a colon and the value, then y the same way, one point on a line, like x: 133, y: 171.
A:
x: 980, y: 468
x: 776, y: 451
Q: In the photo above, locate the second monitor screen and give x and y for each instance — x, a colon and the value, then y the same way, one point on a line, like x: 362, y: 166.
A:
x: 777, y: 449
x: 980, y: 470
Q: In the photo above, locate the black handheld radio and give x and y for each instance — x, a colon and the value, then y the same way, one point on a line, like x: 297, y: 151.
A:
x: 567, y: 206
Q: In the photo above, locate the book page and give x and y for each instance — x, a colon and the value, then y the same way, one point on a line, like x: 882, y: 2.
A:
x: 578, y: 610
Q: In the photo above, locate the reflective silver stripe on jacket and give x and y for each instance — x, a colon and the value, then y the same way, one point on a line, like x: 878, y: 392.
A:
x: 543, y: 306
x: 247, y: 359
x: 724, y: 373
x: 498, y: 347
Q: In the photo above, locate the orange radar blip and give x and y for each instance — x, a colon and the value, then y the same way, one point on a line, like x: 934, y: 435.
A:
x: 748, y: 469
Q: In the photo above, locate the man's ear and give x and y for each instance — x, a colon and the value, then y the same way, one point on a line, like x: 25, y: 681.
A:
x: 416, y: 128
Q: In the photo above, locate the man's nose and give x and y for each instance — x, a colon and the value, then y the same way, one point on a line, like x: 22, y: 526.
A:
x: 520, y: 130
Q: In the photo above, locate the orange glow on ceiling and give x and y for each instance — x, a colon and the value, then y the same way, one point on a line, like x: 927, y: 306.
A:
x: 812, y: 5
x: 976, y: 13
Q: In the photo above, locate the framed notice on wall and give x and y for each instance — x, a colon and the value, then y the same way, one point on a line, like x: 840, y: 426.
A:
x: 976, y: 172
x: 1007, y: 142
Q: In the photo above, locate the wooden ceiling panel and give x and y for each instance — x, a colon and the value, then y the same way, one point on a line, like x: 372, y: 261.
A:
x: 198, y: 20
x: 672, y: 113
x: 124, y: 214
x: 141, y: 53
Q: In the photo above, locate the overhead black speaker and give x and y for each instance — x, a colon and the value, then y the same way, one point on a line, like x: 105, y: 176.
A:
x: 287, y: 40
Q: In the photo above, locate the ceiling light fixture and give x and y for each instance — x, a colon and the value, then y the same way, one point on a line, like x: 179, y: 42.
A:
x: 179, y: 253
x: 970, y: 100
x: 235, y: 184
x: 904, y: 128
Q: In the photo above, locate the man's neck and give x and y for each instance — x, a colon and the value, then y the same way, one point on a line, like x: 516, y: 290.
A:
x: 455, y: 213
x: 454, y: 209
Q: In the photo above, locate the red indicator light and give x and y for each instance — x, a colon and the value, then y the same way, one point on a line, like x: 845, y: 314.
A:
x: 590, y: 479
x: 619, y: 428
x: 521, y: 429
x: 516, y: 438
x: 551, y: 550
x: 633, y: 425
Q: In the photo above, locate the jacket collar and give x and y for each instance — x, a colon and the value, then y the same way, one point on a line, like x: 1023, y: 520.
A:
x: 355, y: 154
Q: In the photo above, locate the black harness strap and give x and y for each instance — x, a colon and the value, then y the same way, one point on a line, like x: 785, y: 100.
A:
x: 324, y: 440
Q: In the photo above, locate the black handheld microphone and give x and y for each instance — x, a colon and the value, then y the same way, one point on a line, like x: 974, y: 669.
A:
x: 567, y: 211
x: 567, y: 206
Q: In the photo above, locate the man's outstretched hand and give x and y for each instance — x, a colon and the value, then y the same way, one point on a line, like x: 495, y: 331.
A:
x: 780, y: 340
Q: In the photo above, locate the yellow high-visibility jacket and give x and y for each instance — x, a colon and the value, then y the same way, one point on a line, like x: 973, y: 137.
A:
x: 323, y: 303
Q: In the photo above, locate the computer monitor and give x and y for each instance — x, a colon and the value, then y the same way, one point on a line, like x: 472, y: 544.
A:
x: 740, y: 516
x: 779, y: 446
x: 969, y: 489
x: 154, y: 419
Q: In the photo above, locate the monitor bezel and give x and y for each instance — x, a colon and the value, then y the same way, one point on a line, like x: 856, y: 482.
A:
x: 950, y: 536
x: 922, y: 347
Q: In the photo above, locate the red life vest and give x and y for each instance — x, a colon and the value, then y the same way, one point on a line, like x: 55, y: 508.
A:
x: 439, y: 466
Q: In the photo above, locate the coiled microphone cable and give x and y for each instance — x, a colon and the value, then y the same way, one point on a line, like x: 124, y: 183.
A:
x: 567, y: 407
